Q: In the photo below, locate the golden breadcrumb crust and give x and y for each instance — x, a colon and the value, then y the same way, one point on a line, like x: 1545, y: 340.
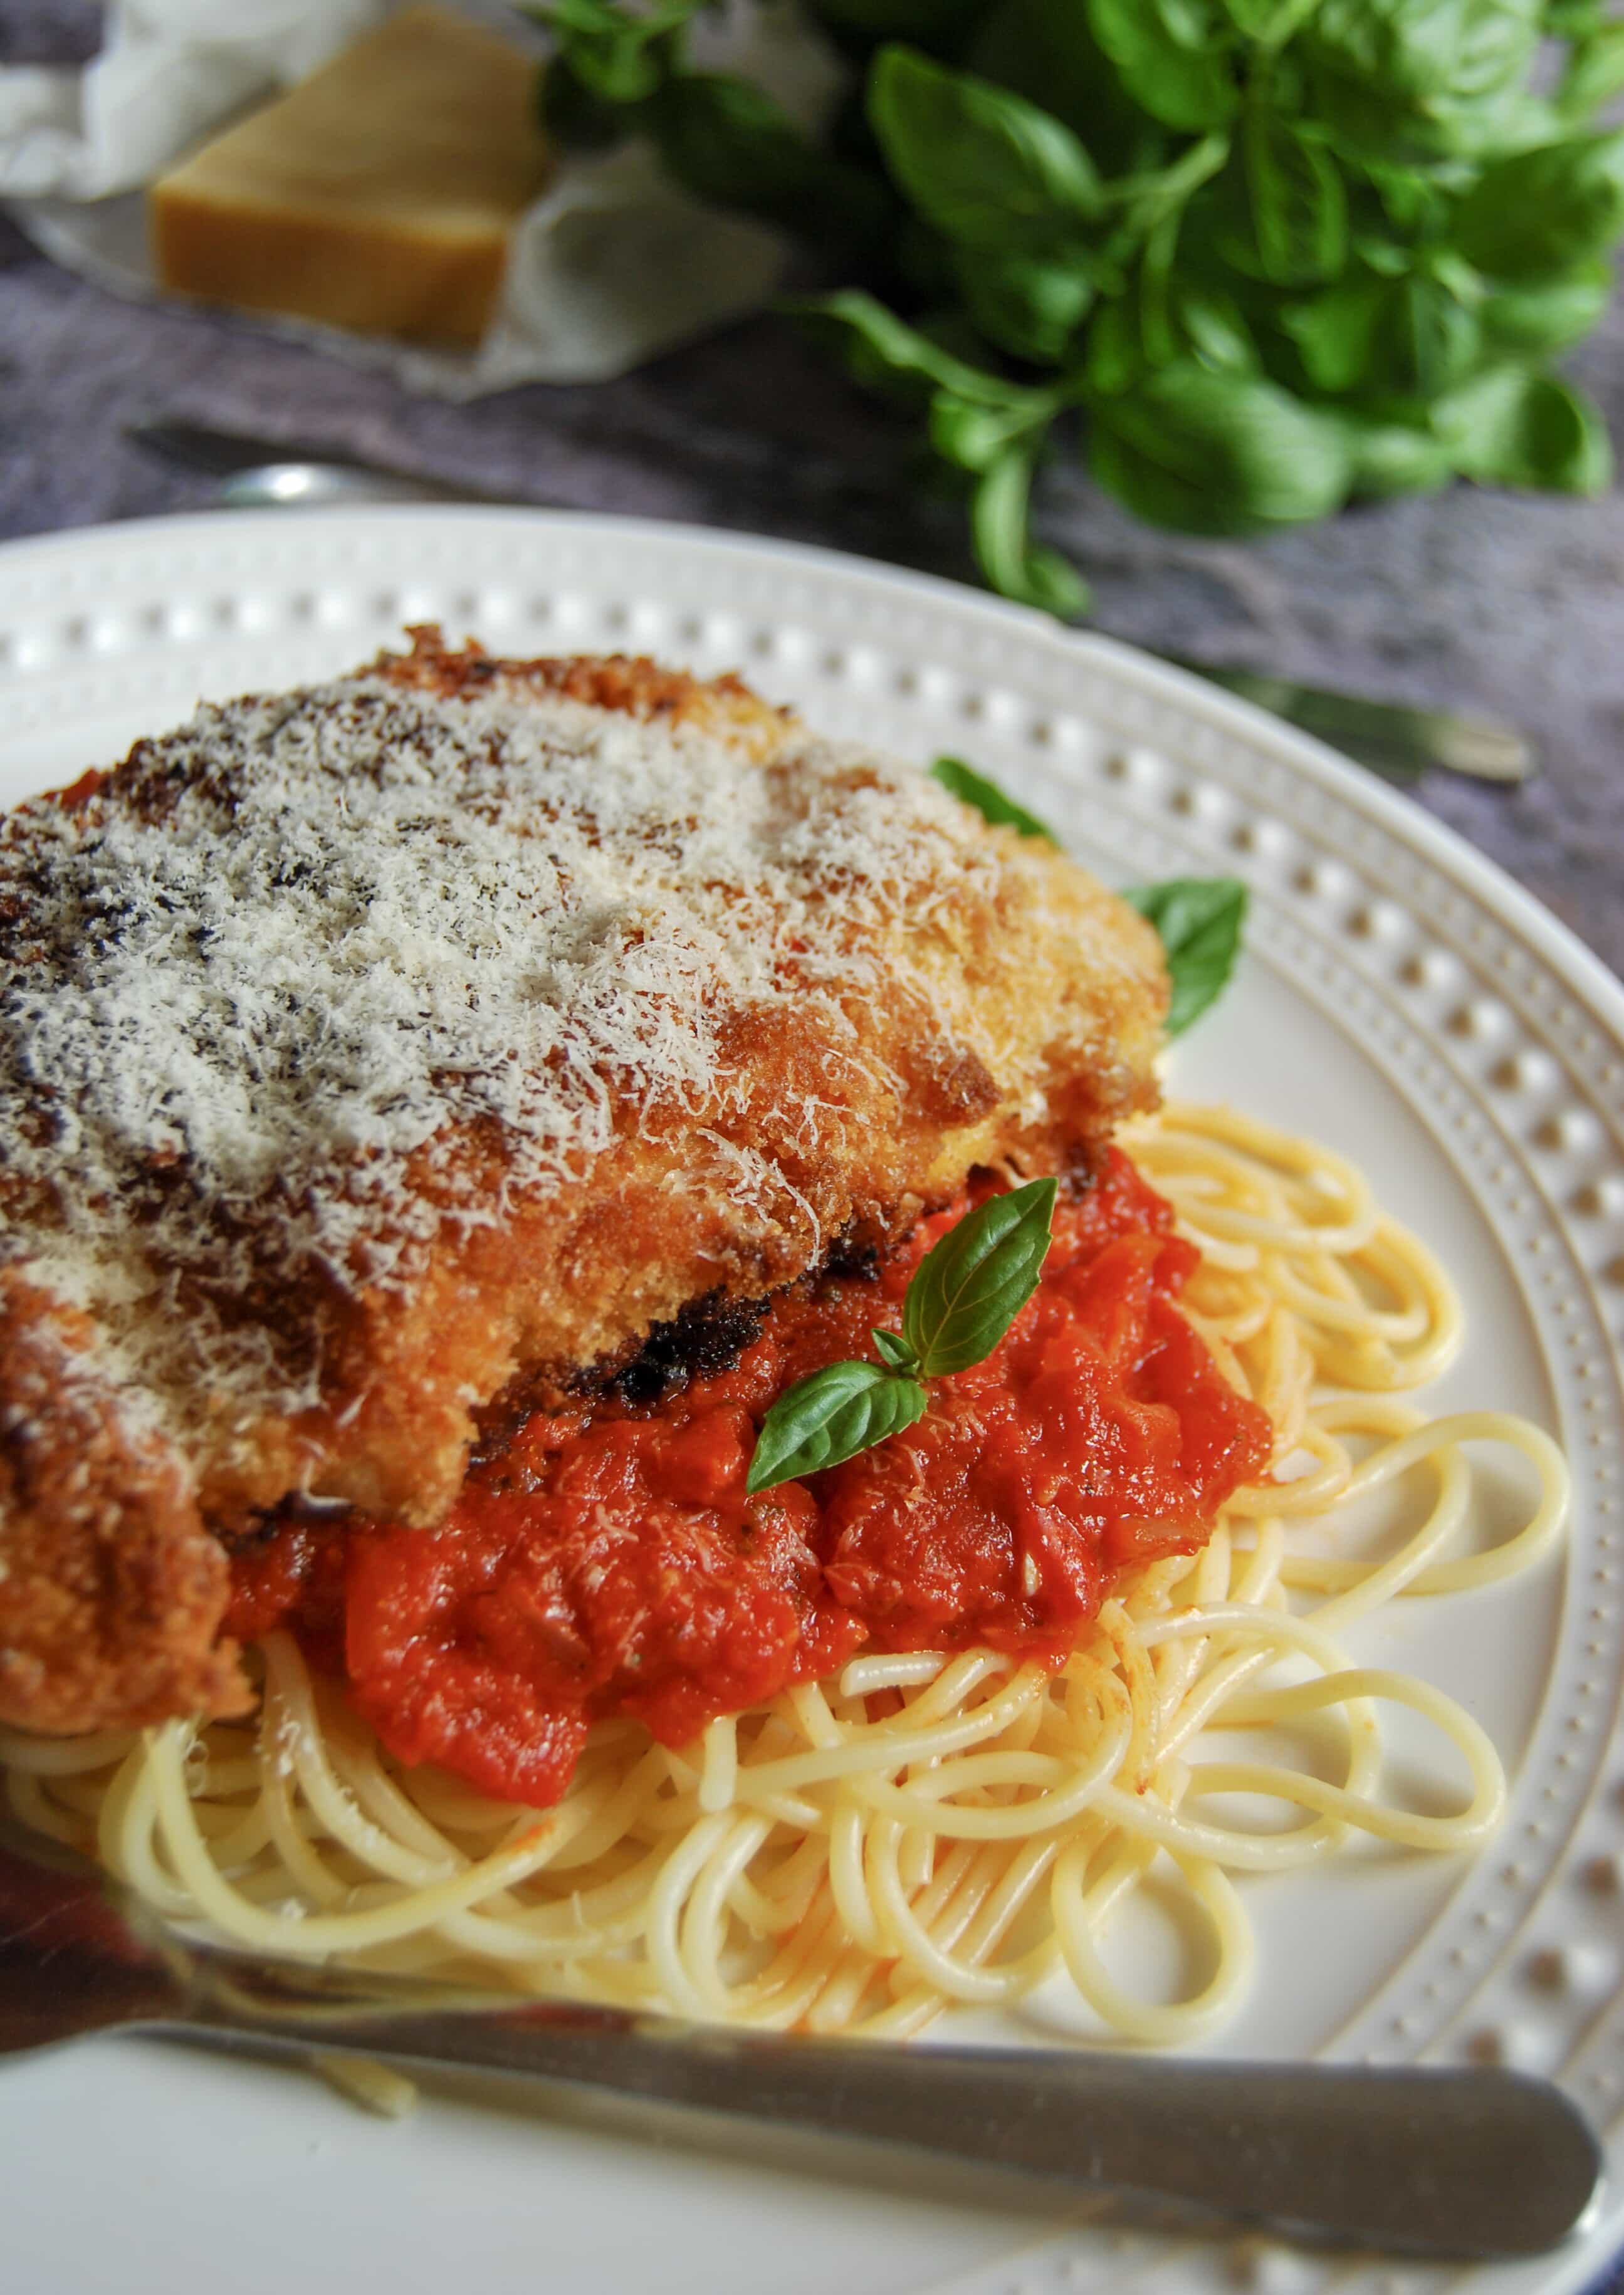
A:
x: 113, y: 1589
x: 112, y: 1583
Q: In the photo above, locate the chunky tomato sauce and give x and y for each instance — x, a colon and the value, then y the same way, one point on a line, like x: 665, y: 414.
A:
x: 609, y: 1561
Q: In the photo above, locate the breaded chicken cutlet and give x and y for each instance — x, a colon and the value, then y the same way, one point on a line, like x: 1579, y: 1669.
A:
x: 379, y: 1059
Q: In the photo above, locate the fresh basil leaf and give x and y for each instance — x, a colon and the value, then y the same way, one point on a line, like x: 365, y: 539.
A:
x: 1539, y: 213
x: 895, y: 1351
x: 1514, y: 429
x: 983, y: 165
x: 1216, y: 331
x: 1574, y: 20
x: 1515, y: 120
x: 970, y: 1286
x: 1595, y: 74
x: 1156, y: 293
x: 1299, y: 202
x: 1270, y: 22
x: 1199, y: 919
x: 1021, y: 568
x: 1336, y: 332
x: 1414, y: 202
x: 1115, y: 356
x: 1175, y: 58
x: 830, y: 1416
x: 1546, y: 315
x: 1030, y: 305
x: 1252, y: 18
x: 1419, y: 51
x: 1408, y: 337
x: 1395, y: 458
x: 1427, y: 79
x: 1427, y: 339
x: 989, y: 800
x: 1452, y: 271
x: 1499, y: 42
x: 1044, y: 51
x: 1213, y: 452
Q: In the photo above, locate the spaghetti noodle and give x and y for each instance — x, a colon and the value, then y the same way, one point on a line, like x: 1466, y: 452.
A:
x: 919, y: 1829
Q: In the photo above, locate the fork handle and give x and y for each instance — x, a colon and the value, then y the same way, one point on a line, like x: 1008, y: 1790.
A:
x: 1478, y: 2163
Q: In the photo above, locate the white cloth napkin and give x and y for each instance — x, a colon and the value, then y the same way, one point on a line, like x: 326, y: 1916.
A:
x: 611, y: 264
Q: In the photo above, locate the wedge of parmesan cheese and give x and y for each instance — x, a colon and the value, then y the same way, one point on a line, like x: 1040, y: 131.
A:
x: 378, y: 195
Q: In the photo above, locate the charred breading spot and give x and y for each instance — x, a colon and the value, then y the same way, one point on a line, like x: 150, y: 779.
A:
x: 318, y: 1516
x: 111, y: 1590
x: 702, y: 1340
x: 852, y: 1258
x: 705, y: 1339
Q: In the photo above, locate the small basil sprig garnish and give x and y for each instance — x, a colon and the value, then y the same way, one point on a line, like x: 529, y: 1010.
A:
x: 1198, y: 917
x: 964, y: 1294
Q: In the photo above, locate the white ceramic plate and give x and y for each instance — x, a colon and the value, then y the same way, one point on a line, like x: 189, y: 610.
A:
x: 1399, y: 996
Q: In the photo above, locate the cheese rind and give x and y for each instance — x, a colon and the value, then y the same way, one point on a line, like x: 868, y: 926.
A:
x: 378, y: 195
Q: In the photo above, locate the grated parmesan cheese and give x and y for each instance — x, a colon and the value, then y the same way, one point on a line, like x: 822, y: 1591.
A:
x: 308, y: 937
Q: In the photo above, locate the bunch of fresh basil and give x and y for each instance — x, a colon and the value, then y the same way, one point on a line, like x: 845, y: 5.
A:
x: 1259, y: 255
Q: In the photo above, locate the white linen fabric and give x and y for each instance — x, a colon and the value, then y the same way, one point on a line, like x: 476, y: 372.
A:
x: 612, y: 263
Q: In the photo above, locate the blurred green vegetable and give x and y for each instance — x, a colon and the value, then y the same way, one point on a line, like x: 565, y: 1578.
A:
x: 1252, y: 258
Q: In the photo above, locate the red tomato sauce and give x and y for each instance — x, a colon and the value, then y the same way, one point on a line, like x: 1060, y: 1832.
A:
x: 609, y: 1561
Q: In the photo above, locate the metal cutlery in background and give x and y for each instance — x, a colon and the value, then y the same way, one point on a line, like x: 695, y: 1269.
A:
x: 1393, y: 740
x: 1464, y: 2164
x: 335, y: 474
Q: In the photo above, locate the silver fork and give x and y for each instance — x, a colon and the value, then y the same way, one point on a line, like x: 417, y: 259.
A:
x: 1464, y: 2164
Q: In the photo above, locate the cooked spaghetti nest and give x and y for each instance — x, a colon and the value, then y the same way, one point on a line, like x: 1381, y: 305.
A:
x: 920, y: 1829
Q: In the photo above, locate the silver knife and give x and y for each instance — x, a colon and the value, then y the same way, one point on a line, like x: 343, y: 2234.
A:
x: 1398, y: 742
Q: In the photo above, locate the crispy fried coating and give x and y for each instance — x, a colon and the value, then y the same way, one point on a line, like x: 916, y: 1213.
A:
x: 986, y: 1004
x: 113, y: 1590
